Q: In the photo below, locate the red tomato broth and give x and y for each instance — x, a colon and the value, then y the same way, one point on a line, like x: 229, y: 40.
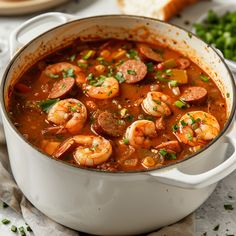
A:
x: 30, y: 120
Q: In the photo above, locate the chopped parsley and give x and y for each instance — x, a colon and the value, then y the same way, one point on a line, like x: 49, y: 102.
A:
x: 150, y: 67
x: 175, y: 127
x: 119, y: 76
x: 216, y: 228
x: 180, y: 104
x: 190, y: 35
x: 54, y: 76
x: 126, y: 141
x: 4, y: 205
x: 69, y: 73
x: 167, y: 155
x: 228, y: 207
x: 132, y: 54
x: 189, y: 136
x: 13, y: 228
x: 6, y: 221
x: 183, y: 123
x: 154, y: 108
x: 173, y: 83
x: 82, y: 65
x: 131, y: 72
x: 227, y: 95
x: 204, y: 78
x: 72, y: 58
x: 46, y: 105
x: 109, y: 93
x: 130, y: 118
x: 156, y: 101
x: 87, y: 55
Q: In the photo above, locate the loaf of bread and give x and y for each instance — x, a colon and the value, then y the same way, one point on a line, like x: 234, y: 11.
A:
x: 160, y: 9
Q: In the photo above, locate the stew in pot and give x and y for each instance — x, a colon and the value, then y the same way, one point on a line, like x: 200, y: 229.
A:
x: 117, y: 105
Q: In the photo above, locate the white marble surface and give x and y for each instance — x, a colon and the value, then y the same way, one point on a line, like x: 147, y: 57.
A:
x: 212, y: 212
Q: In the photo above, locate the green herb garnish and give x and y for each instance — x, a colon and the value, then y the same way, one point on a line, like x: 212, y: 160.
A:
x: 216, y: 228
x: 14, y: 228
x: 228, y: 207
x: 126, y: 141
x: 46, y: 105
x: 180, y: 104
x: 150, y: 67
x: 87, y: 55
x: 131, y: 72
x: 72, y: 58
x: 22, y: 231
x: 175, y: 127
x: 204, y: 78
x: 54, y: 76
x: 119, y: 76
x: 132, y: 54
x: 6, y: 221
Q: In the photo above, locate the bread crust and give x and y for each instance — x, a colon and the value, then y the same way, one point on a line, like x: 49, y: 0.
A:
x: 165, y: 13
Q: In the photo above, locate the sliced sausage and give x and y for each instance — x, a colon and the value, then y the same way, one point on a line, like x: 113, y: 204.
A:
x: 194, y: 95
x: 61, y: 88
x: 133, y: 71
x: 149, y: 53
x: 107, y: 124
x: 160, y: 124
x: 170, y: 145
x: 183, y: 63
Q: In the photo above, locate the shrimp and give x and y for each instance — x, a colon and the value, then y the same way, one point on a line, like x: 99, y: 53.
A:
x: 197, y: 128
x: 140, y: 133
x: 69, y: 115
x: 69, y: 69
x: 108, y: 89
x: 89, y: 150
x: 156, y: 104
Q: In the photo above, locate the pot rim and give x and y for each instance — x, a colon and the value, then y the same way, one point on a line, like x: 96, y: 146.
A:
x: 44, y: 155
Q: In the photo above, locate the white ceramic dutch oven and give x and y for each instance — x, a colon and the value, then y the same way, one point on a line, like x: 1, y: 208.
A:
x: 116, y: 203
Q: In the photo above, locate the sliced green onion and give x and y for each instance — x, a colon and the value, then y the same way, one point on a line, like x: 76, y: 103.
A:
x: 6, y: 221
x: 173, y: 83
x: 175, y: 127
x: 54, y: 76
x: 150, y: 67
x: 119, y: 76
x: 183, y: 123
x: 163, y: 152
x: 28, y: 228
x: 180, y: 104
x: 14, y: 228
x: 22, y: 231
x: 4, y: 205
x: 204, y: 78
x: 88, y: 54
x: 131, y: 72
x: 126, y: 141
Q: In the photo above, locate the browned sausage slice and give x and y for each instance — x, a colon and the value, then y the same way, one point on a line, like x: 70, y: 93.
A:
x: 194, y: 95
x: 170, y: 145
x: 61, y: 88
x: 107, y: 124
x: 150, y: 53
x: 133, y: 71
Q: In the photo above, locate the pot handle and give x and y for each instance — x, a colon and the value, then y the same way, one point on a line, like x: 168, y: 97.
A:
x: 34, y: 27
x: 177, y: 178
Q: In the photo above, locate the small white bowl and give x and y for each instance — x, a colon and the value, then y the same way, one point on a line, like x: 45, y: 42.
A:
x: 220, y: 11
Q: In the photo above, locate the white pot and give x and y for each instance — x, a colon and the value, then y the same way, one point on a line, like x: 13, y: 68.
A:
x: 116, y: 203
